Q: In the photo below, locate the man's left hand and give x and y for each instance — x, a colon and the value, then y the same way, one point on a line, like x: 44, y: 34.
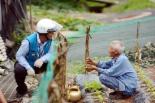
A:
x: 38, y: 63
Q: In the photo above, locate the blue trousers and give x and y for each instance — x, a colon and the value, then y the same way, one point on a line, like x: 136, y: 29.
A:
x: 113, y: 83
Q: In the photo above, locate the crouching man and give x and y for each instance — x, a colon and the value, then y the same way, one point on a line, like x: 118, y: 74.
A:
x: 117, y: 74
x: 34, y: 53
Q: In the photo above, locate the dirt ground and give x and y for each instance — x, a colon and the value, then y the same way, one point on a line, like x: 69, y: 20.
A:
x: 151, y: 72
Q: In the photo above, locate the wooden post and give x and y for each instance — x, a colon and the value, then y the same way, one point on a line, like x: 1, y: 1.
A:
x: 87, y: 44
x: 138, y: 50
x: 0, y: 18
x: 31, y: 23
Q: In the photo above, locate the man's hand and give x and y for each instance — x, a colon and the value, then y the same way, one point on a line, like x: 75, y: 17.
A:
x: 30, y: 72
x: 91, y: 62
x: 90, y: 68
x: 38, y: 63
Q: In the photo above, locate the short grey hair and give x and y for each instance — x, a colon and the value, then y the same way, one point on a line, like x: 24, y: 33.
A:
x: 117, y: 45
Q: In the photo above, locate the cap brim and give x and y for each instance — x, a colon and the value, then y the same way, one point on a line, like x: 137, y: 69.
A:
x: 51, y: 30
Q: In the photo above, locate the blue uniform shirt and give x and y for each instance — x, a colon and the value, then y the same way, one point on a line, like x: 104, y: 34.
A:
x: 24, y: 49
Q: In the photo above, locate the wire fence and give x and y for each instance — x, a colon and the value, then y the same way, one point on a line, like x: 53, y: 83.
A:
x: 103, y: 35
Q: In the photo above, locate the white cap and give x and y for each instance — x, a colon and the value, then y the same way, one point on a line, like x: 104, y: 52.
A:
x: 47, y: 25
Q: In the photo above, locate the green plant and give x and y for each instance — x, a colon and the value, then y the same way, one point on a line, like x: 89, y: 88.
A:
x: 20, y: 32
x: 91, y: 4
x: 68, y: 22
x: 93, y: 86
x: 130, y: 5
x: 59, y: 4
x: 149, y: 83
x: 104, y: 58
x: 76, y: 67
x: 100, y: 97
x: 18, y: 37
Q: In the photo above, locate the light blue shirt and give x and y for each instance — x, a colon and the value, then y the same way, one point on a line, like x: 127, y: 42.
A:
x: 121, y: 69
x: 24, y: 49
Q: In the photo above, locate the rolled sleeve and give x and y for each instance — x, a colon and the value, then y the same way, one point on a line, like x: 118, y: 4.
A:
x: 100, y: 71
x: 101, y: 64
x: 104, y: 65
x: 113, y: 70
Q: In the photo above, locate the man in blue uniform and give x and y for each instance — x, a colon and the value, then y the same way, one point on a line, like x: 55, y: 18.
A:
x: 117, y: 74
x: 34, y: 52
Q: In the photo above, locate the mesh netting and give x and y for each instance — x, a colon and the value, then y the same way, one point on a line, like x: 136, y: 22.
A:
x: 41, y: 94
x: 117, y: 27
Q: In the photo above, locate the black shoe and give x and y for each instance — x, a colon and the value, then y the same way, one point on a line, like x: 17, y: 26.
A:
x: 114, y: 93
x: 21, y: 91
x: 118, y: 95
x: 18, y: 95
x: 30, y: 93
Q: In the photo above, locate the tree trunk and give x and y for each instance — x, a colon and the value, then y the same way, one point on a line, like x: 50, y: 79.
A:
x: 57, y: 87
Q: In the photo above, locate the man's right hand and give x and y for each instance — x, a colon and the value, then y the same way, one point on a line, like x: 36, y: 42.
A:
x: 30, y: 72
x: 90, y: 68
x: 90, y: 62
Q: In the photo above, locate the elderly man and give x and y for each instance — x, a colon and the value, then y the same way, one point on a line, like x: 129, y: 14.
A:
x: 117, y: 74
x: 34, y: 53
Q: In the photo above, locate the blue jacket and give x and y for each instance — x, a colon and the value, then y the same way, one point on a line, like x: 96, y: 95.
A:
x: 121, y: 69
x: 34, y: 51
